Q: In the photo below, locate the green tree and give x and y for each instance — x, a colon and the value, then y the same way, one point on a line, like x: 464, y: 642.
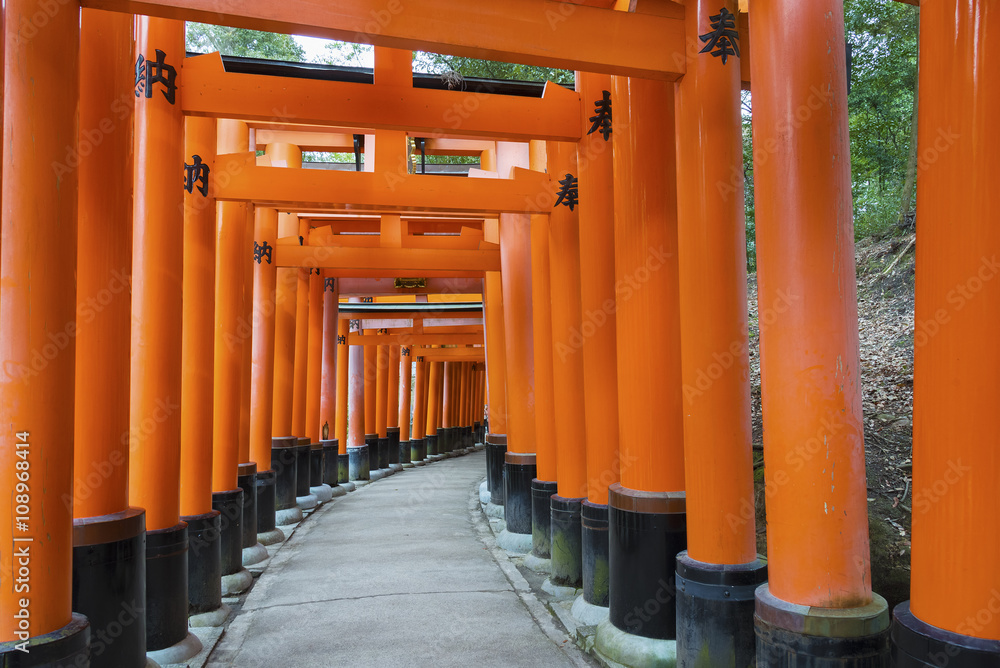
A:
x: 206, y: 38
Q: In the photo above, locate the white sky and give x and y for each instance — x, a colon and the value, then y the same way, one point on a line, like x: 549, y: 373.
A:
x: 316, y: 47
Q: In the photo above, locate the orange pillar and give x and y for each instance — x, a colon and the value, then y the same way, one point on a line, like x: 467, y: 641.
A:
x: 597, y: 330
x: 651, y: 438
x: 956, y: 465
x: 314, y: 363
x: 567, y: 368
x: 39, y: 252
x: 405, y: 402
x: 360, y: 456
x: 382, y: 404
x: 263, y: 384
x: 418, y: 447
x: 392, y: 404
x: 370, y: 379
x: 157, y: 267
x: 329, y: 379
x: 198, y: 336
x: 496, y: 397
x: 433, y: 407
x: 300, y: 387
x: 343, y: 350
x: 246, y: 345
x: 817, y: 515
x: 715, y: 361
x: 285, y: 317
x: 233, y: 136
x: 102, y: 517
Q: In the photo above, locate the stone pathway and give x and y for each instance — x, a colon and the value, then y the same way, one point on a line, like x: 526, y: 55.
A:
x: 403, y: 572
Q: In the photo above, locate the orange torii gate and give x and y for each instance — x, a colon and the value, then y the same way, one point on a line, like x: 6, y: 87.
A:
x: 680, y: 453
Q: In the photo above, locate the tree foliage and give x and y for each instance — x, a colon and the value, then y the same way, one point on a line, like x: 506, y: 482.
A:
x: 206, y: 38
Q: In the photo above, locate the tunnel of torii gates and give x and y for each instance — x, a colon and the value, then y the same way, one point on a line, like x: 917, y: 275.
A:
x: 247, y: 337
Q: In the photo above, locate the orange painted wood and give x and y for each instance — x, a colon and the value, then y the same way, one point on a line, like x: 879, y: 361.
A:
x: 371, y: 390
x: 104, y: 260
x: 817, y: 515
x: 651, y: 436
x: 382, y: 364
x: 496, y: 355
x: 157, y: 214
x: 343, y: 362
x: 392, y: 389
x: 956, y: 462
x: 405, y: 392
x: 356, y: 387
x: 715, y: 361
x: 262, y: 385
x: 37, y: 303
x: 314, y: 363
x: 198, y: 326
x: 300, y: 388
x: 328, y: 373
x: 597, y: 296
x: 420, y: 399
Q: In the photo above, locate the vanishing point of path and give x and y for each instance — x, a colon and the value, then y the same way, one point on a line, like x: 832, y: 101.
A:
x: 403, y: 572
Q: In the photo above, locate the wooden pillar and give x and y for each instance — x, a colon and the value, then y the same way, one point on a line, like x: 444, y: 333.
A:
x: 330, y: 376
x: 817, y: 515
x: 314, y: 362
x: 39, y: 255
x: 343, y: 369
x: 231, y: 257
x: 956, y: 464
x: 300, y: 386
x: 198, y: 323
x: 262, y: 429
x: 157, y: 268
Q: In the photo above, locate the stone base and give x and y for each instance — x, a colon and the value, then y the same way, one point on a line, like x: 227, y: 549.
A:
x: 272, y: 537
x: 237, y: 583
x: 559, y: 592
x: 619, y: 649
x: 800, y: 635
x: 179, y: 653
x: 348, y: 486
x: 493, y: 510
x: 339, y: 490
x: 287, y: 516
x: 323, y: 493
x: 396, y: 468
x: 537, y: 564
x: 210, y: 619
x: 435, y: 458
x: 307, y: 502
x: 514, y: 543
x: 377, y: 474
x: 254, y: 555
x: 589, y: 614
x: 484, y: 493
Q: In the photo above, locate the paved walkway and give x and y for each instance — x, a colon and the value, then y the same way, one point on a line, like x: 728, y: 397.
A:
x: 403, y: 572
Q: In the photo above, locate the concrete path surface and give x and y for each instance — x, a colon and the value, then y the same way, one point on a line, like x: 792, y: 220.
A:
x: 403, y: 572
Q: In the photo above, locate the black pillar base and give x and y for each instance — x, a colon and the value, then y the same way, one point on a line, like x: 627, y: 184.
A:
x: 166, y: 587
x: 109, y: 588
x: 541, y: 517
x: 418, y: 450
x: 443, y: 441
x: 343, y: 468
x: 916, y: 644
x: 646, y: 531
x: 594, y: 539
x: 371, y: 440
x: 266, y: 500
x: 715, y: 607
x: 392, y: 433
x: 470, y: 437
x: 405, y: 452
x: 247, y: 480
x: 302, y: 455
x: 315, y: 464
x: 567, y: 549
x: 284, y: 460
x: 477, y: 432
x: 230, y: 507
x: 65, y: 647
x: 496, y: 448
x: 383, y: 453
x: 799, y: 636
x: 358, y: 462
x: 204, y: 559
x: 432, y: 445
x: 331, y: 462
x: 519, y: 471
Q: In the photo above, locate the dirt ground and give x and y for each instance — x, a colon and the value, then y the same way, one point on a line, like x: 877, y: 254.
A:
x: 885, y: 313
